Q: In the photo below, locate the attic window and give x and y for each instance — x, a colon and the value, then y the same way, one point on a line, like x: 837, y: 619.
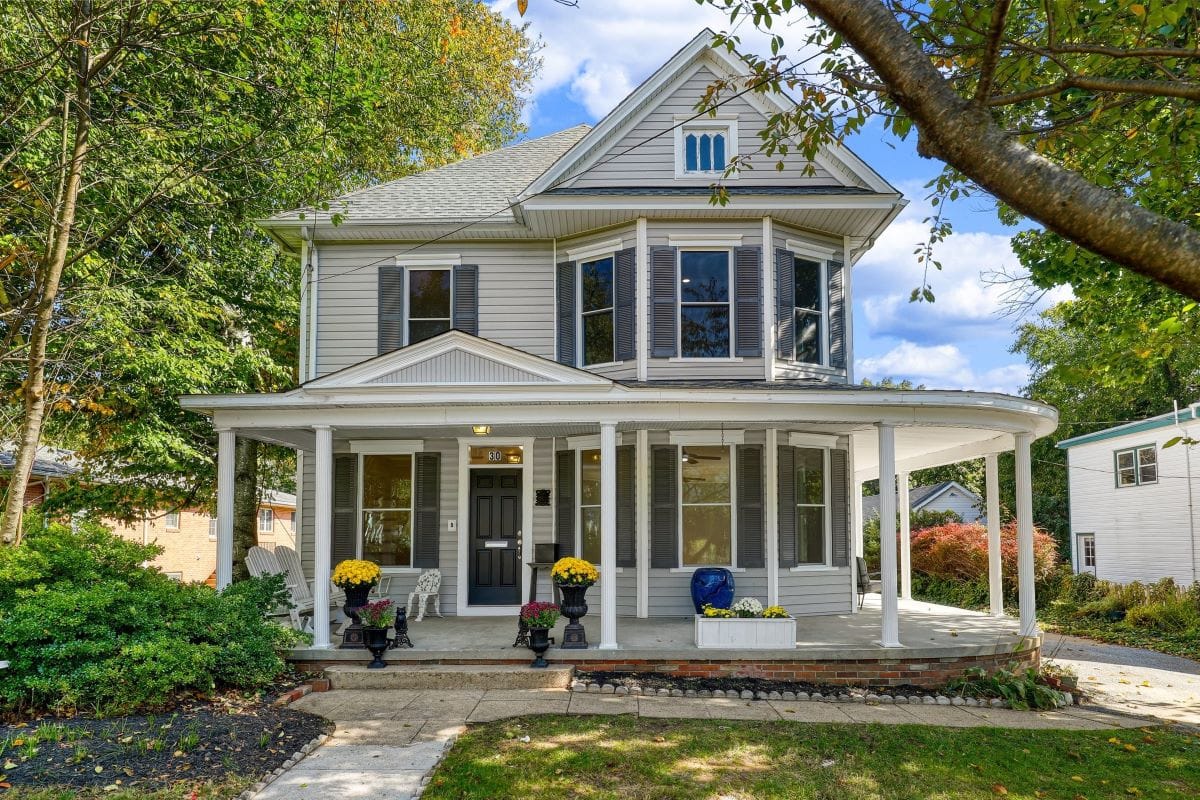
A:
x: 705, y: 147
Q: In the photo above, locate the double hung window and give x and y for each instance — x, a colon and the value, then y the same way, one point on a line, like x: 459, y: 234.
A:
x: 704, y: 308
x: 386, y: 503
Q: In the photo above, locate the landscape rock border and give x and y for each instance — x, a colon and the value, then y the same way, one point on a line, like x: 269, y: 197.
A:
x: 867, y: 697
x: 295, y: 758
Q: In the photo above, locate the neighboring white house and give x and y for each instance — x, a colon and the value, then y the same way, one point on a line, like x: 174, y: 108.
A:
x: 1133, y: 501
x: 567, y: 342
x: 944, y: 496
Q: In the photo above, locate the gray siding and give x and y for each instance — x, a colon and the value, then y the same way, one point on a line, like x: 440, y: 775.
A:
x: 652, y: 162
x: 460, y: 367
x: 516, y: 302
x: 967, y: 506
x: 818, y: 592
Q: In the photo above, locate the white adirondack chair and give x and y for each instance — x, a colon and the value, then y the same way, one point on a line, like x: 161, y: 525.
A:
x: 260, y: 562
x: 290, y: 561
x: 428, y: 586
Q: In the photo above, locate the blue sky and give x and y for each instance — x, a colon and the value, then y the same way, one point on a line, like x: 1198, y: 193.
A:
x: 595, y: 54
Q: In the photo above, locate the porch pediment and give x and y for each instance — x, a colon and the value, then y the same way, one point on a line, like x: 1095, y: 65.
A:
x: 457, y: 358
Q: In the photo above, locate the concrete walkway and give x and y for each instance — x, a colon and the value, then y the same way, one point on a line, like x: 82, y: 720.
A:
x: 1130, y: 679
x: 387, y: 741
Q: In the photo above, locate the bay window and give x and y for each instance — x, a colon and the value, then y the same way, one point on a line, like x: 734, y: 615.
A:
x: 809, y: 310
x: 706, y: 505
x: 704, y: 309
x: 385, y: 498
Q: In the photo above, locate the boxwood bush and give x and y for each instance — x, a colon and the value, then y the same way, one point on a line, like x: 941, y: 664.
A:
x: 85, y: 626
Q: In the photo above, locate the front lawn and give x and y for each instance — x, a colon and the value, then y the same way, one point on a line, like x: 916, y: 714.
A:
x: 628, y: 759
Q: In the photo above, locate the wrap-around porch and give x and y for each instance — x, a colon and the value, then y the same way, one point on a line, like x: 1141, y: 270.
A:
x: 870, y: 433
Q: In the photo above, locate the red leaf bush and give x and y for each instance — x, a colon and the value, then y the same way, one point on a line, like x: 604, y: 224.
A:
x: 958, y: 551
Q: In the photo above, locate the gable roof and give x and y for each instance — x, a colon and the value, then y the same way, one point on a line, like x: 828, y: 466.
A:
x: 464, y: 191
x: 456, y: 358
x: 918, y: 497
x: 837, y: 158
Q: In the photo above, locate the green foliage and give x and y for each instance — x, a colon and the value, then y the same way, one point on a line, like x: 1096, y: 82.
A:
x: 917, y: 520
x: 85, y: 625
x: 1022, y: 688
x: 207, y: 117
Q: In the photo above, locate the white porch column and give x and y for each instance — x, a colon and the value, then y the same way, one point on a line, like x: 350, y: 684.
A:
x: 771, y: 512
x: 1024, y: 474
x: 641, y: 457
x: 226, y: 442
x: 991, y: 470
x: 905, y: 536
x: 322, y: 519
x: 890, y: 629
x: 608, y: 536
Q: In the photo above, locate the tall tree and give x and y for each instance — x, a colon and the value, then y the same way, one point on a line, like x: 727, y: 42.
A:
x: 140, y: 138
x: 1068, y: 112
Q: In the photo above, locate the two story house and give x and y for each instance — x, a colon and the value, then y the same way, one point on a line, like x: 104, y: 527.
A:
x: 567, y: 342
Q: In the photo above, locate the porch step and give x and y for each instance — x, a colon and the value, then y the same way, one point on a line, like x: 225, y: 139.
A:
x: 400, y: 675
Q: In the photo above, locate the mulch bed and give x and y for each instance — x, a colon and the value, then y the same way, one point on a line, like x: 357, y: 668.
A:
x: 658, y: 680
x: 196, y: 740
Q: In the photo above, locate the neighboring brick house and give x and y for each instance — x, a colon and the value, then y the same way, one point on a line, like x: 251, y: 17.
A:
x: 188, y: 536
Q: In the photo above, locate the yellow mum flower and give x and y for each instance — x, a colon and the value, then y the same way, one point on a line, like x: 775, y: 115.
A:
x: 353, y: 573
x: 574, y: 572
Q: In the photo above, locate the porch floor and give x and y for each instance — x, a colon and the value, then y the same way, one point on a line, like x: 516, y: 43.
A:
x: 926, y: 631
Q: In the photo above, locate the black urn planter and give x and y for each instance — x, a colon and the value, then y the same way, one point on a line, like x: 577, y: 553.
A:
x: 377, y: 641
x: 539, y: 642
x: 574, y: 606
x: 356, y: 598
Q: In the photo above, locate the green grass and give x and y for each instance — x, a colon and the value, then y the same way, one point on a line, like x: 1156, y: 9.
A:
x: 205, y: 790
x: 639, y: 759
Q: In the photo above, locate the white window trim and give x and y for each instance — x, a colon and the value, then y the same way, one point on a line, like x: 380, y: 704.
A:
x: 270, y: 528
x: 578, y: 444
x: 810, y: 250
x: 679, y: 304
x: 823, y: 293
x: 704, y: 240
x: 686, y: 123
x: 212, y: 529
x: 706, y: 437
x: 798, y: 439
x: 439, y: 266
x: 592, y: 252
x: 733, y: 550
x: 167, y: 520
x: 419, y: 261
x: 397, y: 569
x: 1137, y: 466
x: 827, y: 517
x: 387, y: 447
x: 598, y: 255
x: 1080, y: 539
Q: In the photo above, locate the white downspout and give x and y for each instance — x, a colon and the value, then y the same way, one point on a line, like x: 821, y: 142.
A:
x: 1187, y: 462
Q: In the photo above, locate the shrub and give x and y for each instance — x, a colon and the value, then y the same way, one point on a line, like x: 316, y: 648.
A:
x: 1023, y: 689
x: 1177, y: 615
x: 917, y: 520
x: 85, y: 625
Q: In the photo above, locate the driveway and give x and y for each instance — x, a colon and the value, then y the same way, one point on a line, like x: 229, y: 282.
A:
x: 1130, y: 679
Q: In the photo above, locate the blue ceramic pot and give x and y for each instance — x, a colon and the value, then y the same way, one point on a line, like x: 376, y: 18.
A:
x: 712, y: 586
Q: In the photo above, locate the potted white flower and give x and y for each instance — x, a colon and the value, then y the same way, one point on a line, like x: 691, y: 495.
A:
x: 746, y: 625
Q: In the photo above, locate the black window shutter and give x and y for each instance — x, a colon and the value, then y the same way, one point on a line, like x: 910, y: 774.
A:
x: 626, y: 508
x: 664, y: 507
x: 750, y: 548
x: 839, y: 512
x: 343, y: 542
x: 564, y: 504
x: 565, y: 312
x: 625, y: 321
x: 664, y: 306
x: 391, y: 308
x: 747, y: 294
x: 426, y: 509
x: 785, y: 303
x: 466, y: 298
x: 786, y: 465
x: 837, y: 315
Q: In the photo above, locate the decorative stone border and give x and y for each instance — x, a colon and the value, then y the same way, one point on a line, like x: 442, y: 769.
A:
x: 839, y: 697
x: 291, y: 762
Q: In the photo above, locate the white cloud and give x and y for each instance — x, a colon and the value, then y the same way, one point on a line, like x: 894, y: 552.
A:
x: 941, y: 366
x: 600, y: 51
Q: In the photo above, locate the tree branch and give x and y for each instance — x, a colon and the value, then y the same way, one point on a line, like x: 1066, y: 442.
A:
x: 969, y: 139
x: 991, y: 52
x: 1181, y: 90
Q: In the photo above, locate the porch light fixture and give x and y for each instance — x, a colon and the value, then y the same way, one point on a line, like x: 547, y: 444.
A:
x: 481, y: 430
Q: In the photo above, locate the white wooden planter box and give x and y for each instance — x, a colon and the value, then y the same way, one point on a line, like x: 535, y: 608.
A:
x: 746, y: 634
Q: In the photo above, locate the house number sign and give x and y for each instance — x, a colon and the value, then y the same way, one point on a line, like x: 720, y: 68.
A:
x: 497, y: 456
